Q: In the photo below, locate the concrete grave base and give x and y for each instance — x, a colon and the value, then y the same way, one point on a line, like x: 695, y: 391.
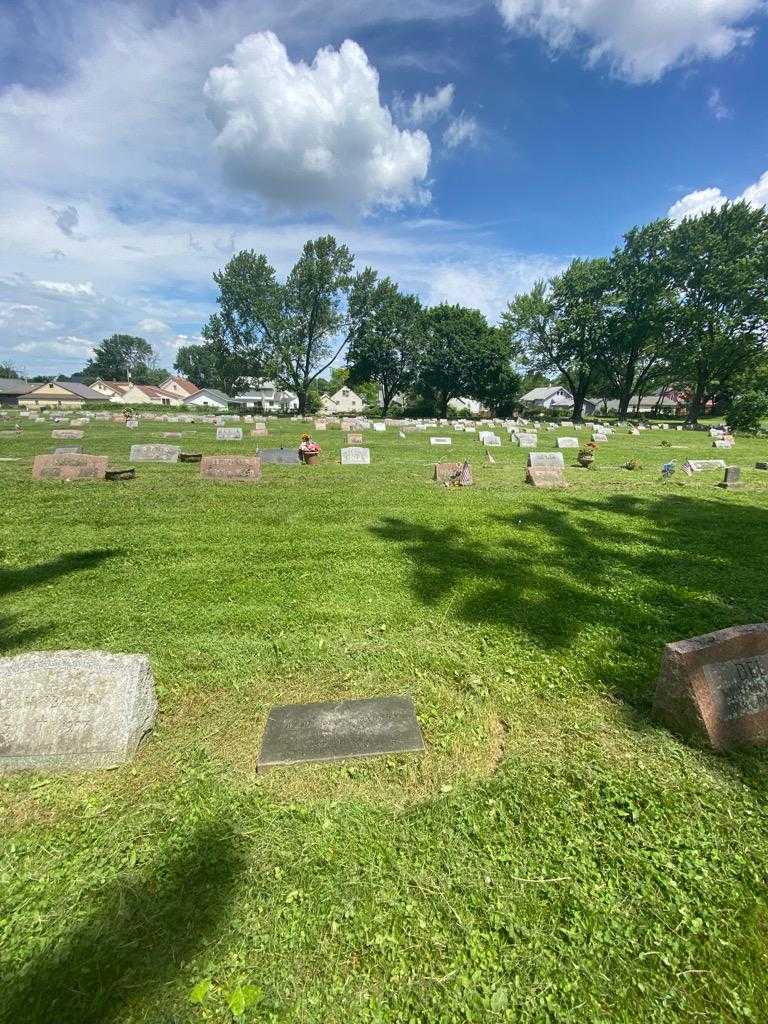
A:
x: 337, y: 730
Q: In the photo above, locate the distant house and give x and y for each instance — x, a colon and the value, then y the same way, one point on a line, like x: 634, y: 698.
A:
x: 147, y: 394
x: 548, y: 398
x: 208, y: 398
x: 268, y: 397
x: 663, y: 400
x: 113, y: 390
x: 342, y: 402
x: 12, y: 389
x: 179, y: 386
x: 59, y: 394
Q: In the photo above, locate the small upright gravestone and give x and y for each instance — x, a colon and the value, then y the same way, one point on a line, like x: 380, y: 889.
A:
x: 75, y: 466
x: 64, y: 710
x: 722, y: 442
x: 440, y: 440
x: 732, y: 480
x: 714, y: 688
x: 231, y: 468
x: 229, y: 434
x: 154, y: 453
x: 379, y: 427
x: 491, y: 440
x: 545, y: 469
x: 354, y: 438
x: 525, y: 440
x: 355, y: 456
x: 132, y: 424
x: 259, y: 432
x: 567, y: 442
x: 280, y: 456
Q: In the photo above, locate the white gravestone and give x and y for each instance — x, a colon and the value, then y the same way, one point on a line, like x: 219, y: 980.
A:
x: 229, y: 434
x: 546, y: 460
x: 527, y: 440
x: 700, y: 465
x: 567, y: 442
x: 440, y: 440
x: 64, y: 710
x: 355, y: 456
x: 154, y: 453
x: 379, y: 427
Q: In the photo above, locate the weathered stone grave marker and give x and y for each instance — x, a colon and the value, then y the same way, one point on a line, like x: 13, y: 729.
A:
x: 64, y: 710
x: 354, y: 438
x: 732, y: 480
x: 692, y: 466
x: 545, y: 469
x: 67, y: 435
x: 714, y: 688
x: 229, y: 434
x: 75, y: 466
x: 280, y: 456
x: 337, y: 730
x: 355, y: 456
x: 440, y: 440
x: 154, y: 453
x: 231, y: 468
x: 73, y: 449
x: 525, y: 440
x: 567, y: 442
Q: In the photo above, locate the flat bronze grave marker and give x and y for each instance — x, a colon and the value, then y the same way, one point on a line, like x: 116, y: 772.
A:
x: 336, y: 730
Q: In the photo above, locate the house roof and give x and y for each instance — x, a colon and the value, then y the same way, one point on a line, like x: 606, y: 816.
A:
x: 152, y: 392
x: 541, y: 394
x: 118, y: 386
x: 344, y: 392
x: 81, y: 390
x: 213, y: 392
x: 14, y: 386
x: 183, y: 383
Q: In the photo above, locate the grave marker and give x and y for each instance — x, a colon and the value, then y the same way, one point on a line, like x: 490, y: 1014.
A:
x: 525, y: 440
x: 567, y: 442
x: 355, y: 456
x: 354, y: 438
x: 154, y: 453
x: 75, y: 466
x: 440, y: 440
x: 73, y: 449
x: 63, y: 710
x: 231, y: 468
x: 692, y: 466
x: 229, y: 434
x: 336, y: 730
x: 280, y: 456
x: 67, y: 435
x: 732, y: 480
x: 714, y: 688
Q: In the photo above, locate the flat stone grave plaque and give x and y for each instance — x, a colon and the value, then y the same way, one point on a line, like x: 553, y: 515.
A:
x: 281, y: 456
x: 379, y: 427
x: 354, y: 438
x: 692, y: 466
x: 546, y: 460
x: 440, y: 440
x: 567, y: 442
x: 355, y: 456
x: 527, y: 440
x: 337, y: 730
x: 67, y: 435
x: 69, y: 467
x: 154, y: 453
x: 231, y: 468
x: 229, y: 434
x: 64, y: 710
x: 171, y: 433
x: 73, y: 449
x: 714, y: 688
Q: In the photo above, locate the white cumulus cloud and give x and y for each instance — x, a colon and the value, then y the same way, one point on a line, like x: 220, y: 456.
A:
x: 425, y: 108
x: 152, y: 326
x: 706, y: 199
x: 66, y: 287
x: 312, y: 136
x: 638, y: 39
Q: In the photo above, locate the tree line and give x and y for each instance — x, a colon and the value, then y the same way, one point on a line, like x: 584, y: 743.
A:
x: 683, y: 307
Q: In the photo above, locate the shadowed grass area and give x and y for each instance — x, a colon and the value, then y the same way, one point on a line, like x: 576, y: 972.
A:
x: 554, y: 856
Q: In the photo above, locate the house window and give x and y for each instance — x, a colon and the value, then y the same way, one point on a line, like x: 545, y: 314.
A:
x: 166, y: 401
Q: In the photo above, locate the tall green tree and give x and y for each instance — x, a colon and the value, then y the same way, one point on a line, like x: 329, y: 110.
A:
x: 292, y: 331
x: 386, y: 345
x: 564, y: 326
x: 720, y: 267
x: 460, y: 354
x: 9, y: 371
x: 212, y: 365
x: 639, y: 341
x: 123, y: 357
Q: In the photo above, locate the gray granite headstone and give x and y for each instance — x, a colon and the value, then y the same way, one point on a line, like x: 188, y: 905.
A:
x: 333, y: 731
x: 73, y: 709
x: 280, y: 456
x: 154, y: 453
x: 567, y: 442
x: 525, y: 440
x: 732, y: 478
x: 546, y: 460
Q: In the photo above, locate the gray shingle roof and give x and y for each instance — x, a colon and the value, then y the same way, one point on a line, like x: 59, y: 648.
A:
x: 13, y: 386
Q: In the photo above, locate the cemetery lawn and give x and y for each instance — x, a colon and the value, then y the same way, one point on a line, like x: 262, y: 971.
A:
x: 555, y: 856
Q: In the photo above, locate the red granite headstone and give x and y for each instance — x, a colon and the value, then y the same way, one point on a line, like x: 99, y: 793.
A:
x: 69, y: 467
x: 231, y: 468
x: 714, y: 688
x: 543, y: 476
x: 446, y: 471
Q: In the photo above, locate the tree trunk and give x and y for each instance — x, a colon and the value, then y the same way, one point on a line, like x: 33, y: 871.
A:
x: 444, y: 400
x: 302, y: 397
x: 696, y: 408
x: 578, y: 406
x: 624, y: 401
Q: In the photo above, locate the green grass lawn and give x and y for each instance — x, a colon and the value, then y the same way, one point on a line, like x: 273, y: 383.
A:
x: 554, y: 856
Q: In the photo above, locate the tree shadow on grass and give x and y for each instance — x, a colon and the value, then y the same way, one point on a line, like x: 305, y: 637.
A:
x: 643, y: 571
x: 139, y: 932
x: 14, y: 580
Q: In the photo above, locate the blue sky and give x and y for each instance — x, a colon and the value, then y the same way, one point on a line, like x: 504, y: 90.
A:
x: 465, y: 147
